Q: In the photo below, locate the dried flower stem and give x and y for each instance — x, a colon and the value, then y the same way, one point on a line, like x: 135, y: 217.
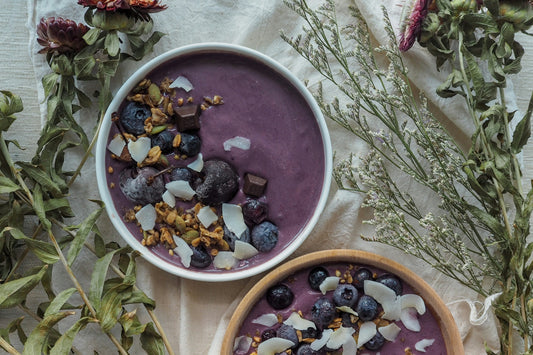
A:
x: 117, y: 271
x: 88, y: 152
x: 73, y: 278
x: 8, y: 347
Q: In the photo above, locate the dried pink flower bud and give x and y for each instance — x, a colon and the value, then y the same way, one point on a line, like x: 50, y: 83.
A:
x: 138, y: 7
x: 412, y: 23
x: 60, y: 35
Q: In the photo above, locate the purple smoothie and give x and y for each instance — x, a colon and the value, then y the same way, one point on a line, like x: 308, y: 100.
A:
x: 259, y: 104
x: 305, y: 297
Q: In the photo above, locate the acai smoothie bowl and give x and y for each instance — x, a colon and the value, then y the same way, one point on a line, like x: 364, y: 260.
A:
x: 214, y: 162
x: 341, y: 302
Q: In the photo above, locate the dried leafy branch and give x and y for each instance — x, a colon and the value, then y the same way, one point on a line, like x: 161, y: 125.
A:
x: 474, y: 236
x: 35, y: 208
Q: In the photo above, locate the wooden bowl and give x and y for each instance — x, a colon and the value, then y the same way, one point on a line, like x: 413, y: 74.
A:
x: 434, y: 304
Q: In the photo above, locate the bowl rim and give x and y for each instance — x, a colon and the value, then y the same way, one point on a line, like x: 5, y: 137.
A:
x: 101, y: 148
x: 434, y: 303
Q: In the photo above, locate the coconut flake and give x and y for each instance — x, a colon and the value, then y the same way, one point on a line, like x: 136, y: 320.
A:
x: 299, y: 323
x: 140, y: 148
x: 183, y: 250
x: 181, y: 82
x: 273, y: 346
x: 415, y: 301
x: 236, y: 142
x: 169, y: 198
x: 224, y: 260
x: 233, y: 218
x: 409, y: 319
x: 181, y: 189
x: 116, y: 145
x: 339, y: 337
x: 392, y: 310
x: 350, y: 346
x: 366, y: 332
x: 319, y: 343
x: 386, y: 297
x: 423, y: 344
x: 347, y: 309
x: 242, y: 343
x: 206, y: 216
x: 146, y: 216
x: 244, y: 250
x: 329, y: 284
x: 198, y: 164
x: 390, y: 331
x: 267, y: 319
x: 379, y: 292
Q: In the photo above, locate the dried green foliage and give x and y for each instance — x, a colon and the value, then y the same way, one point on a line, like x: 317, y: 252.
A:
x: 35, y: 210
x: 478, y: 234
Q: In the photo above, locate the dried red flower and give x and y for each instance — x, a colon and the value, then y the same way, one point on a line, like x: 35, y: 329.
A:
x: 138, y: 7
x: 60, y: 35
x: 412, y: 24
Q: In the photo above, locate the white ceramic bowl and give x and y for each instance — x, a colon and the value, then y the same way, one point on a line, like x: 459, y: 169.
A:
x: 268, y: 65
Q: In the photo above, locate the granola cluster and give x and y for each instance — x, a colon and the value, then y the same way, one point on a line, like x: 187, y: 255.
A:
x: 181, y: 223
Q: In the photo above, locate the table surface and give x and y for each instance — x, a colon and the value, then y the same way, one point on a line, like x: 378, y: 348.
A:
x: 185, y: 320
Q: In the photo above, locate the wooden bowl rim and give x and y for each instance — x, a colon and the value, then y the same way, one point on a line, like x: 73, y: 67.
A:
x: 434, y: 303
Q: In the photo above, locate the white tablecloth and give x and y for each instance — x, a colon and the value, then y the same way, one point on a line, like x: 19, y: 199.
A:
x: 194, y: 314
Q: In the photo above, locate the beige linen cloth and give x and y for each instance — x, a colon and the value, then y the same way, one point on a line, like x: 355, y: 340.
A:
x: 194, y: 314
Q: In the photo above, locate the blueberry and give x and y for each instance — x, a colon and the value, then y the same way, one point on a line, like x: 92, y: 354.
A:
x: 142, y: 186
x: 316, y: 276
x: 164, y: 141
x: 391, y: 282
x: 200, y: 257
x: 181, y: 174
x: 376, y: 342
x: 288, y: 332
x: 310, y: 333
x: 305, y: 349
x: 190, y: 144
x: 265, y: 236
x: 367, y: 308
x: 254, y: 211
x: 360, y: 276
x: 345, y: 295
x: 349, y: 320
x: 267, y: 334
x: 323, y: 312
x: 133, y: 116
x: 230, y: 237
x: 220, y: 183
x: 279, y: 296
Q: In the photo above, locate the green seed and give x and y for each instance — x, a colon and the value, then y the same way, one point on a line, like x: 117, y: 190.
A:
x: 155, y: 94
x: 158, y: 129
x: 180, y: 224
x: 190, y: 235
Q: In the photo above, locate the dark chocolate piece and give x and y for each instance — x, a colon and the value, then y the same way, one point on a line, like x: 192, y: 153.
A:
x: 254, y: 185
x: 188, y: 117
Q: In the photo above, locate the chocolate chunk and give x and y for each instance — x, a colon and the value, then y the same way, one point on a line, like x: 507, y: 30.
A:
x: 254, y: 185
x: 188, y: 117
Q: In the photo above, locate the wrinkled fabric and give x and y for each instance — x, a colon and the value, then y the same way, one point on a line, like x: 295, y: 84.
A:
x: 195, y: 314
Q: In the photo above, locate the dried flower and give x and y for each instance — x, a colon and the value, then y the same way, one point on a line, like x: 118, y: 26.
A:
x: 479, y: 232
x: 138, y: 8
x: 59, y: 35
x: 412, y: 24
